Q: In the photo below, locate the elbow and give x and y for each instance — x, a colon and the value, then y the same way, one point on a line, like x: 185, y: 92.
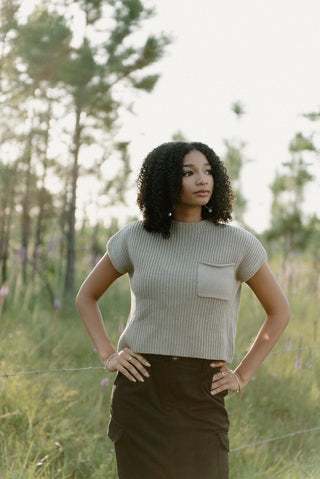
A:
x: 79, y: 301
x: 286, y: 315
x: 84, y: 299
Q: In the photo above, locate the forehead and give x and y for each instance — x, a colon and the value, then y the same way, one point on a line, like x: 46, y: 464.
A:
x: 195, y: 158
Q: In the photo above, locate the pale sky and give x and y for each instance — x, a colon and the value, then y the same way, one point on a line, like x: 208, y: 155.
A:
x: 264, y: 54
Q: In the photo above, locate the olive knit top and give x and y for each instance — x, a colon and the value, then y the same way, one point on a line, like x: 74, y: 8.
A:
x: 185, y: 290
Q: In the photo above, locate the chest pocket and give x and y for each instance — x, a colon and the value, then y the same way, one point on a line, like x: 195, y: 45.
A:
x: 215, y: 280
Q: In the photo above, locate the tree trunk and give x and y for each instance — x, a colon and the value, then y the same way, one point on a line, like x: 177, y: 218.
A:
x: 42, y: 195
x: 26, y: 221
x: 8, y: 213
x: 69, y: 279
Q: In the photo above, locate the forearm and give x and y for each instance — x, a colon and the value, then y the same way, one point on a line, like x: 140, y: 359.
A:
x: 91, y: 316
x: 265, y: 340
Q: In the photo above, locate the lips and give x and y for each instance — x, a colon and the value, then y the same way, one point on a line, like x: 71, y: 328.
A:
x: 202, y: 192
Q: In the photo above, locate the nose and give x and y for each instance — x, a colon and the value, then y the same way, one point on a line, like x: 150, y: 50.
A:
x: 202, y: 179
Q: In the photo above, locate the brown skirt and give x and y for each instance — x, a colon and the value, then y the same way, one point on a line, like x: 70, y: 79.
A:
x: 170, y: 426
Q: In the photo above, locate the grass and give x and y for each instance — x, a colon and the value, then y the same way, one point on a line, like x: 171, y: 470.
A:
x: 53, y: 425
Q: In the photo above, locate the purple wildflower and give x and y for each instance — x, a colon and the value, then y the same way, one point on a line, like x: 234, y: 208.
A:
x: 105, y: 382
x: 57, y: 304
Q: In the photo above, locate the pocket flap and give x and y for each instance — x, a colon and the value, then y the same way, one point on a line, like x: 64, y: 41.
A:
x: 114, y: 430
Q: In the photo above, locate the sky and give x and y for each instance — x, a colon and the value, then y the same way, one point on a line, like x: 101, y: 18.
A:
x: 264, y: 54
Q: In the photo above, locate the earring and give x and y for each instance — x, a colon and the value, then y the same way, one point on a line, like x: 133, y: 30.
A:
x: 171, y: 212
x: 208, y: 208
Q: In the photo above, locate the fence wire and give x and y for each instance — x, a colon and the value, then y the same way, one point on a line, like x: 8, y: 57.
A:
x: 271, y: 439
x: 245, y: 446
x: 91, y: 368
x: 43, y: 371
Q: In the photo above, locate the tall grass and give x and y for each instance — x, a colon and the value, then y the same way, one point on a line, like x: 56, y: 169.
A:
x: 53, y: 425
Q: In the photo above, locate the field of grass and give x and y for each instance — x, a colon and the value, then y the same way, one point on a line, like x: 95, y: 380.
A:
x: 53, y: 425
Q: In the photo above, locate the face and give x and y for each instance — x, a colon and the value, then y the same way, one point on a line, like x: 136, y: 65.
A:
x: 197, y: 181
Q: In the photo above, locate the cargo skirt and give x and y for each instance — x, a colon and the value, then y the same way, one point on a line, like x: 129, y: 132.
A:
x: 170, y: 426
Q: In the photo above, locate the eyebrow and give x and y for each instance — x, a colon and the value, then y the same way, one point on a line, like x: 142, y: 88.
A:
x: 191, y: 165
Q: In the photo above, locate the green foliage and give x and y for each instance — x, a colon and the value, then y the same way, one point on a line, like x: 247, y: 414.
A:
x: 301, y: 143
x: 289, y: 225
x: 51, y: 70
x: 41, y: 45
x: 234, y: 161
x: 238, y: 108
x: 53, y: 425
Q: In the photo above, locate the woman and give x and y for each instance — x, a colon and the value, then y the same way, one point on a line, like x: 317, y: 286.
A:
x: 186, y: 268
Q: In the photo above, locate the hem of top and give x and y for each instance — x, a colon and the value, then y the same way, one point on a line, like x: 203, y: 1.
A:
x: 182, y: 356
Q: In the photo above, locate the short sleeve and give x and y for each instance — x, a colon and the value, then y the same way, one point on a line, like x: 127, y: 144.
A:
x: 253, y: 257
x: 117, y: 248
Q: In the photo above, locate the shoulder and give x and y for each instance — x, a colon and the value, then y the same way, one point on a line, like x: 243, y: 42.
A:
x: 233, y: 232
x: 238, y: 240
x: 129, y: 229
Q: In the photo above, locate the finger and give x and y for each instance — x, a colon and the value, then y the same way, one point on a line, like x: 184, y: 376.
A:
x: 219, y: 376
x: 224, y: 380
x: 217, y: 364
x: 127, y: 373
x: 218, y: 387
x: 221, y: 380
x: 137, y: 364
x: 129, y: 354
x: 133, y: 366
x: 141, y: 359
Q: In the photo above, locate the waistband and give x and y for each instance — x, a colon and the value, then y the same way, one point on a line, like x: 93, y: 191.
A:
x: 186, y: 362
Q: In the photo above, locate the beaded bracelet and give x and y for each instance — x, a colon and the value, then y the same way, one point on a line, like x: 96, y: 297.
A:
x: 236, y: 375
x: 106, y: 362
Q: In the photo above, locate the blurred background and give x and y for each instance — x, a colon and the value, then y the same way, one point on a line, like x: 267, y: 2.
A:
x: 87, y: 89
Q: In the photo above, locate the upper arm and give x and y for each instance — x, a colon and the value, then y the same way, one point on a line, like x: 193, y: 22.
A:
x: 99, y: 280
x: 268, y: 291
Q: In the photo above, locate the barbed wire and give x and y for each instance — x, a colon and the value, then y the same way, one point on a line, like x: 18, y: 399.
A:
x: 271, y: 439
x: 91, y: 368
x: 43, y: 371
x: 244, y: 446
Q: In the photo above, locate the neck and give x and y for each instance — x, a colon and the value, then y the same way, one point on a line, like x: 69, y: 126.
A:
x: 187, y: 215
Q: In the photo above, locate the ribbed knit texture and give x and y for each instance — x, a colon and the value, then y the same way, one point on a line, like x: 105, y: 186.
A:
x: 185, y: 290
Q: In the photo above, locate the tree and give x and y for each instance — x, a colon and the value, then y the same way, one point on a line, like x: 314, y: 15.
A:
x: 33, y: 67
x: 61, y: 82
x: 288, y: 224
x: 234, y: 160
x: 93, y: 74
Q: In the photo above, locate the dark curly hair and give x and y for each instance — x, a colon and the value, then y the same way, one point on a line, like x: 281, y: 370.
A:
x: 160, y: 183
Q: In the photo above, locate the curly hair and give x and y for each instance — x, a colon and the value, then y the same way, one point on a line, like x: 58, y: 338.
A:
x: 160, y: 183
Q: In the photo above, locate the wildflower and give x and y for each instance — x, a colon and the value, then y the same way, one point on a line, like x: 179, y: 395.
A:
x: 105, y: 382
x: 288, y: 345
x: 4, y: 290
x: 51, y: 244
x: 298, y: 364
x: 309, y: 362
x: 57, y: 304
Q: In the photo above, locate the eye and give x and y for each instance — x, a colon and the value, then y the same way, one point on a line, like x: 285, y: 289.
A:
x: 187, y: 173
x: 208, y: 172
